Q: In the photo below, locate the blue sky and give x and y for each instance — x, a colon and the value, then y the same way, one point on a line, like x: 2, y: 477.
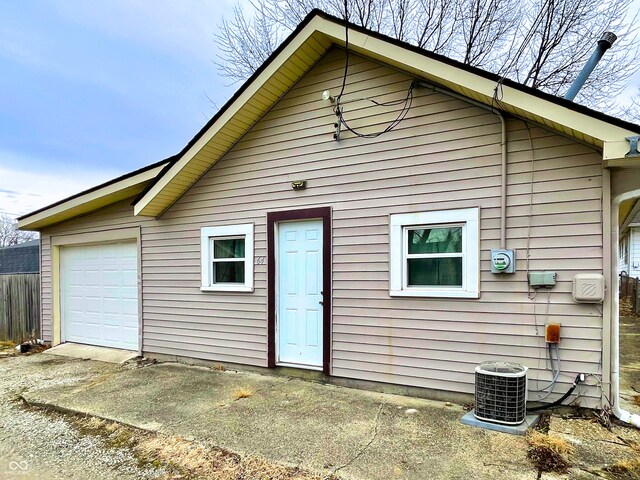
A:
x: 90, y: 90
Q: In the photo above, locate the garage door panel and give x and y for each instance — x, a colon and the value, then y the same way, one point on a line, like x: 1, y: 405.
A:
x: 111, y: 307
x: 111, y: 292
x: 129, y: 277
x: 130, y: 293
x: 130, y: 309
x: 100, y: 294
x: 112, y: 278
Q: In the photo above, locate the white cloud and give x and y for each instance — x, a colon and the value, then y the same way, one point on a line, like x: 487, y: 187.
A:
x: 22, y: 191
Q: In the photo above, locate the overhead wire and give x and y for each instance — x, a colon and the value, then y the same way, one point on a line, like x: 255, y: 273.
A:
x: 406, y: 102
x: 497, y: 97
x: 498, y: 91
x: 346, y: 47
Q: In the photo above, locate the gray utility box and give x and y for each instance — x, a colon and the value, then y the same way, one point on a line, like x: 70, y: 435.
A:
x: 542, y: 279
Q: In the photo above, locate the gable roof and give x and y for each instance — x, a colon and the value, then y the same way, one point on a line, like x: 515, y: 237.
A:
x: 160, y: 185
x: 21, y: 258
x: 120, y: 188
x: 310, y: 41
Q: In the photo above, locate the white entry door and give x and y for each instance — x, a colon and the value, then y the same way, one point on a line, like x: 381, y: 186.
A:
x: 299, y: 293
x: 99, y: 294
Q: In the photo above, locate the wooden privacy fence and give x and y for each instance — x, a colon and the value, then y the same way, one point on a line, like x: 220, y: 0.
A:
x: 629, y: 290
x: 19, y: 306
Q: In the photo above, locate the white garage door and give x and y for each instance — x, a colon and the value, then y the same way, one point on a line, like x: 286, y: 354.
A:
x: 99, y: 294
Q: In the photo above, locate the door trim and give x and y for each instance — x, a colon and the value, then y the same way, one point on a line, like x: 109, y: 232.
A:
x: 324, y: 214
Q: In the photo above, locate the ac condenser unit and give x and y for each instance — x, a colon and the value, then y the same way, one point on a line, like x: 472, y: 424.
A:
x: 501, y: 392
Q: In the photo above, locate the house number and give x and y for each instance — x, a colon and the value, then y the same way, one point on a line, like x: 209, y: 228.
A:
x: 261, y: 260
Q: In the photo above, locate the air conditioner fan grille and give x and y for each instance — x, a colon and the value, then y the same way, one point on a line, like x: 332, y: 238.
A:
x: 501, y: 393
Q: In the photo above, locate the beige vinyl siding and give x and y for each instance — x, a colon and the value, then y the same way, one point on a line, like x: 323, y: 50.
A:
x: 182, y: 320
x: 46, y: 330
x: 444, y: 155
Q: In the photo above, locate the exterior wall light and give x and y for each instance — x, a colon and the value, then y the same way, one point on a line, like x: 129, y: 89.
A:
x: 299, y: 184
x: 326, y: 96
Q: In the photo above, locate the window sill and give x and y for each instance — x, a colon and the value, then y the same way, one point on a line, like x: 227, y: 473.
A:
x: 228, y: 288
x: 435, y: 293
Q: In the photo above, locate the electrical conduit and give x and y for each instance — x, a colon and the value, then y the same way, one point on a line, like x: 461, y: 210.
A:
x: 503, y: 149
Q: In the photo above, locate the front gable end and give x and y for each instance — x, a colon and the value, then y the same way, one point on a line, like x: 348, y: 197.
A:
x: 317, y: 34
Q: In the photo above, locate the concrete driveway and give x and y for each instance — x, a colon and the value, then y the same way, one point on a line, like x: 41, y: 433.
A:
x: 327, y: 429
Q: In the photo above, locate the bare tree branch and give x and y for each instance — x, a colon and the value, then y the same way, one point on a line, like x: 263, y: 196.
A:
x: 9, y: 233
x: 541, y: 43
x: 485, y: 27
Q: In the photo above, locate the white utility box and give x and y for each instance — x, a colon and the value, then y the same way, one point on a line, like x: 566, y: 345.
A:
x: 588, y: 288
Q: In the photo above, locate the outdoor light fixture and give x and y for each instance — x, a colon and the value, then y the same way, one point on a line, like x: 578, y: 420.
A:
x: 299, y: 184
x: 326, y: 96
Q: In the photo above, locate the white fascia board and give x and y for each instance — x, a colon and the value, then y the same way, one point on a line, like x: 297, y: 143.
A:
x: 106, y: 191
x: 611, y: 136
x: 228, y: 114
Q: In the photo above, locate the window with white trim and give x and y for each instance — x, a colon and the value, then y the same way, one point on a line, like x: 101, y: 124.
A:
x: 624, y: 249
x: 435, y: 254
x: 227, y: 258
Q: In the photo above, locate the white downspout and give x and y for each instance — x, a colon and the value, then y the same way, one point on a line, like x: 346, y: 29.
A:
x: 611, y: 335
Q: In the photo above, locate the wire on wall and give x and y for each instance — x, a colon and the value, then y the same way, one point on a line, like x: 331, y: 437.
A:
x: 406, y: 102
x: 531, y: 182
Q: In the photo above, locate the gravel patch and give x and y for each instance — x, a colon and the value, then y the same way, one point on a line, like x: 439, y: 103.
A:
x: 34, y: 444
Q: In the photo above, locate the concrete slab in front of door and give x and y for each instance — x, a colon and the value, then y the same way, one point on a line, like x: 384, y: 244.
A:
x: 91, y: 352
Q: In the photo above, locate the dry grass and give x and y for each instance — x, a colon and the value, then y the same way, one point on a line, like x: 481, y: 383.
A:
x: 625, y: 469
x: 242, y: 393
x: 556, y: 444
x: 547, y: 452
x: 182, y: 454
x: 626, y: 308
x: 186, y: 459
x: 95, y: 423
x: 219, y: 367
x: 6, y: 344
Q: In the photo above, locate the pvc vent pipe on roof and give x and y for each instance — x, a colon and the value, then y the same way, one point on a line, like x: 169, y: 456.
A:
x: 604, y: 44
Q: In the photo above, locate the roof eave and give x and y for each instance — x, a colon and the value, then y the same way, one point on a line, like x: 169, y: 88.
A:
x: 605, y: 133
x: 90, y: 200
x: 147, y: 204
